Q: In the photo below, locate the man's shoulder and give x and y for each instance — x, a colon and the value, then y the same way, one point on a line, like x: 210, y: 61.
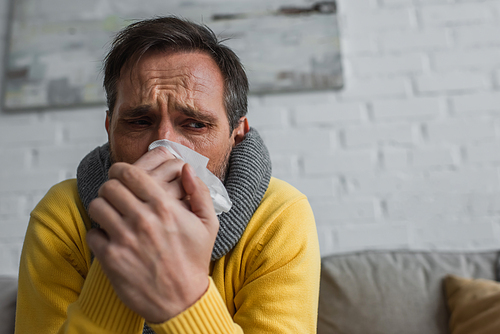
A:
x: 64, y: 187
x: 62, y: 199
x: 280, y: 191
x: 63, y: 192
x: 281, y: 197
x: 283, y: 221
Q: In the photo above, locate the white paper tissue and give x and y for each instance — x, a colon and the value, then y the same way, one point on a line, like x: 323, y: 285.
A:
x: 218, y: 192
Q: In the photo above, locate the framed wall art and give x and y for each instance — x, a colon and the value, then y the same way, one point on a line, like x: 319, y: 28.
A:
x: 56, y: 47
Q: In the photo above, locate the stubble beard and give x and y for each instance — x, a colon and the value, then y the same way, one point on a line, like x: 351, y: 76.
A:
x: 223, y: 168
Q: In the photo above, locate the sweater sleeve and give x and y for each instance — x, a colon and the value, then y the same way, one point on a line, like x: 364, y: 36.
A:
x: 54, y: 262
x: 98, y: 309
x: 59, y: 291
x: 208, y: 315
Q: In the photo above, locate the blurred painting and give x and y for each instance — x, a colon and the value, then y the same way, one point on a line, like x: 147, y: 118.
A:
x: 56, y: 47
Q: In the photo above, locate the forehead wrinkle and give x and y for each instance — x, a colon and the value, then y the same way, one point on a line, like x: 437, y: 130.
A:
x: 158, y: 87
x: 187, y: 76
x: 158, y: 83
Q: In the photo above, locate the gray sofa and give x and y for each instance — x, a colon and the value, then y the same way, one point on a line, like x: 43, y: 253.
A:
x: 370, y: 292
x: 393, y: 292
x: 8, y: 292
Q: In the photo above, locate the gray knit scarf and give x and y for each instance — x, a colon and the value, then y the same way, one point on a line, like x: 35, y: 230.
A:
x: 247, y: 179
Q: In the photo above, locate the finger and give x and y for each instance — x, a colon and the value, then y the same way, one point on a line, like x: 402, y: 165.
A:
x: 98, y: 242
x: 119, y: 197
x: 142, y: 185
x: 175, y: 189
x: 199, y: 197
x: 103, y: 213
x: 136, y: 180
x: 168, y: 170
x: 152, y: 159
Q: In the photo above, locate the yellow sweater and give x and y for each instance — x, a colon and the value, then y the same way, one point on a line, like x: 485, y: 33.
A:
x: 269, y: 283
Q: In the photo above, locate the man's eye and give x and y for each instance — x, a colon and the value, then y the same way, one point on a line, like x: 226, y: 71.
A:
x: 196, y: 125
x: 140, y: 122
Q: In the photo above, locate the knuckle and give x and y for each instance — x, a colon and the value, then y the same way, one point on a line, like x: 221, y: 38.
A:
x: 142, y: 219
x: 163, y: 152
x: 162, y: 208
x: 109, y: 187
x: 114, y: 256
x: 93, y: 205
x: 128, y: 174
x: 95, y: 208
x: 145, y: 228
x: 92, y: 210
x: 149, y: 224
x: 127, y: 240
x: 116, y: 168
x: 167, y: 212
x: 177, y: 162
x: 173, y: 164
x: 174, y: 189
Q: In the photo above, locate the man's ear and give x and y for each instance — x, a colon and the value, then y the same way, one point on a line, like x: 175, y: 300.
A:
x: 107, y: 122
x: 241, y: 130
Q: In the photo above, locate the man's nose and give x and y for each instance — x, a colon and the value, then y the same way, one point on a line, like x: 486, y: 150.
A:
x: 165, y: 130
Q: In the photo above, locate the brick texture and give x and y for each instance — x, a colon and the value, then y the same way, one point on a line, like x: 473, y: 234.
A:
x: 450, y: 82
x: 426, y: 40
x: 406, y: 155
x: 478, y: 35
x: 408, y: 109
x: 472, y: 104
x: 379, y: 134
x: 450, y: 14
x: 387, y: 65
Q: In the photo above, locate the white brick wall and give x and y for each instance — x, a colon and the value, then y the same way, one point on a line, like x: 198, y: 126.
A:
x: 473, y: 104
x: 430, y: 39
x: 408, y: 109
x: 457, y: 13
x: 473, y: 60
x: 379, y: 134
x: 486, y: 34
x: 460, y: 131
x: 367, y: 66
x: 406, y: 155
x: 439, y: 83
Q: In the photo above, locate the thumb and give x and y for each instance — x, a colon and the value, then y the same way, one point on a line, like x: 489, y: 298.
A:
x: 199, y: 196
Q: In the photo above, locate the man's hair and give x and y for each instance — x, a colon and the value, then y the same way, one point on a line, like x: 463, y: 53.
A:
x: 171, y: 34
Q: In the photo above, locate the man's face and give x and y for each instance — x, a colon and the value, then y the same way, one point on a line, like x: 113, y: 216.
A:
x: 174, y: 96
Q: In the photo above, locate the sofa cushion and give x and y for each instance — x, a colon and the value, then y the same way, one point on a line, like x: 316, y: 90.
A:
x: 392, y: 291
x: 8, y: 293
x: 474, y: 305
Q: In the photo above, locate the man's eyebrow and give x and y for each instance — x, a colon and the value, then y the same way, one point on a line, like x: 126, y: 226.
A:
x: 137, y: 111
x: 205, y: 116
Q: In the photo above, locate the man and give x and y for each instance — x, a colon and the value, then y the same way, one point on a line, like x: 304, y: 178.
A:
x: 158, y: 258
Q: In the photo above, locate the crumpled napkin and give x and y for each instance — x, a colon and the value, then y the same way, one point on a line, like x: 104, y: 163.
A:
x: 218, y: 192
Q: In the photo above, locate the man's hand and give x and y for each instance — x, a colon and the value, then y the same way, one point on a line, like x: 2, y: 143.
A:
x: 158, y: 230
